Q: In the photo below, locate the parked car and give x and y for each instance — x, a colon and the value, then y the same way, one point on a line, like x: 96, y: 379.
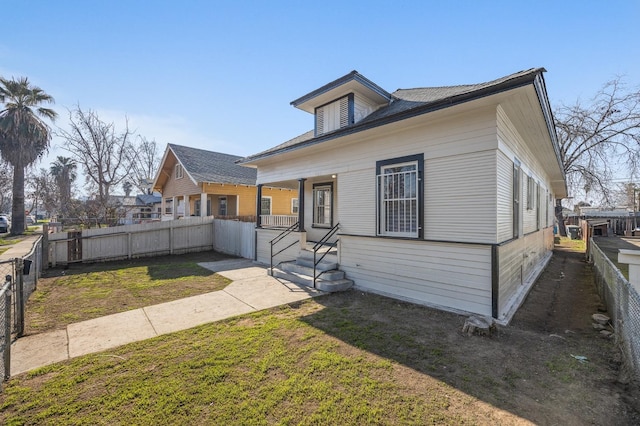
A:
x: 5, y: 224
x: 29, y: 220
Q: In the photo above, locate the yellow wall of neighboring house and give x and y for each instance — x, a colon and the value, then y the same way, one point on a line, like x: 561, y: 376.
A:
x: 241, y: 199
x: 246, y: 206
x: 280, y: 199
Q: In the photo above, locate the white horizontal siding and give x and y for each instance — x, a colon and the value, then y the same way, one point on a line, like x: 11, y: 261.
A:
x: 504, y: 216
x: 512, y: 144
x: 511, y: 275
x: 518, y: 260
x: 460, y: 198
x: 357, y: 200
x: 457, y: 134
x: 452, y: 276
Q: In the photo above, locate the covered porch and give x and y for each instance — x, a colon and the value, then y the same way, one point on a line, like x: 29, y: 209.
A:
x: 315, y: 210
x: 201, y: 205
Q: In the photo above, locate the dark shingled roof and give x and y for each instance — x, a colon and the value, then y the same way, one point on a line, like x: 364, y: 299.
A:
x: 208, y: 166
x: 407, y: 103
x: 146, y: 199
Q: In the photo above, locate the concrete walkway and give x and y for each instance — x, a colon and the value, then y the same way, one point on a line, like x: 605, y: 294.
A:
x: 251, y: 290
x: 21, y: 248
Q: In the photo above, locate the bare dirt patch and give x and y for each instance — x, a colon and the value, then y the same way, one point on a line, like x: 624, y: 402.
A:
x: 528, y: 369
x: 80, y: 292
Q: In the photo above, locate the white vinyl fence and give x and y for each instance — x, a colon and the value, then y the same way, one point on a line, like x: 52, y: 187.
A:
x: 153, y: 239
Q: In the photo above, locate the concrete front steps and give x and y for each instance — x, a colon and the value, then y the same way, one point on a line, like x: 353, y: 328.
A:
x: 300, y: 272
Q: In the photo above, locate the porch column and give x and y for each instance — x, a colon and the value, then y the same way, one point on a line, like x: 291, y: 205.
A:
x: 174, y: 207
x: 301, y: 204
x: 187, y: 209
x: 259, y: 206
x: 203, y: 204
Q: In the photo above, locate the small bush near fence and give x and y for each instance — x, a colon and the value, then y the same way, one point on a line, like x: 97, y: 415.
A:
x: 623, y: 305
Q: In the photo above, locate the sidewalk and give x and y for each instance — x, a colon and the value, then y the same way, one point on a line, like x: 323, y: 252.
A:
x: 251, y: 290
x: 21, y: 248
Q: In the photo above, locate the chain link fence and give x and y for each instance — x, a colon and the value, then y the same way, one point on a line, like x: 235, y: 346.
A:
x: 623, y: 305
x: 7, y: 319
x: 19, y: 278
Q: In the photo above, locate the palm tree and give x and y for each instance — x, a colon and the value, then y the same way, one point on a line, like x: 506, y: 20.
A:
x: 24, y: 137
x: 64, y: 172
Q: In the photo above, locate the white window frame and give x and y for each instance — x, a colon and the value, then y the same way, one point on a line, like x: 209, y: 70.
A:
x: 223, y: 201
x: 266, y: 198
x: 179, y: 171
x: 168, y: 206
x: 323, y: 211
x: 392, y: 204
x: 517, y: 195
x: 295, y: 206
x: 530, y: 192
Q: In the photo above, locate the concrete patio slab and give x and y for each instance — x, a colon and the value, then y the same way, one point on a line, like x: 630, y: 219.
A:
x: 236, y: 269
x: 38, y: 350
x: 108, y: 332
x: 267, y: 292
x: 193, y: 311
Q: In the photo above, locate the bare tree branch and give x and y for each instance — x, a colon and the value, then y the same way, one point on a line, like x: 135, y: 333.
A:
x: 600, y: 138
x: 100, y: 150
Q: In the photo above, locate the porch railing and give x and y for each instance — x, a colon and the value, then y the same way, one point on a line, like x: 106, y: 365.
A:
x: 278, y: 220
x: 324, y: 241
x: 279, y: 238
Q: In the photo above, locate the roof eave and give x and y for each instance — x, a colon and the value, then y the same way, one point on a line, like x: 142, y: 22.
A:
x: 352, y: 76
x: 545, y: 106
x: 510, y: 84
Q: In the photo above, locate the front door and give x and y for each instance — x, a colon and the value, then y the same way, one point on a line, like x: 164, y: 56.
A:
x: 222, y: 206
x: 323, y: 205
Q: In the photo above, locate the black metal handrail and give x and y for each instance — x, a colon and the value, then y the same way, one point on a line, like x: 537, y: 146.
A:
x: 317, y: 246
x: 279, y: 238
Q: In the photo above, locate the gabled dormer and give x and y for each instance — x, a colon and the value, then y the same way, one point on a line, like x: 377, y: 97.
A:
x: 342, y: 102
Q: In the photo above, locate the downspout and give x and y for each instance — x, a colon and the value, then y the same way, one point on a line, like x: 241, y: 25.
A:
x: 495, y: 280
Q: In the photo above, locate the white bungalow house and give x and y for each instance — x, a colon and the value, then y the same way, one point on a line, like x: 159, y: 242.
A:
x: 442, y: 196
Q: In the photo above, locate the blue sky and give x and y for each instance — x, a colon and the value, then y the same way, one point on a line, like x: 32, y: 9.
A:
x: 220, y: 75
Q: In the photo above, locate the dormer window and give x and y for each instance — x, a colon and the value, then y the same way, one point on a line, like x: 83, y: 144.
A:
x: 343, y: 102
x: 334, y: 115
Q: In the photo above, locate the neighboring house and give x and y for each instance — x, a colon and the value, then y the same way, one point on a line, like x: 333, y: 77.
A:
x: 196, y: 182
x: 148, y: 208
x: 122, y: 208
x: 442, y: 196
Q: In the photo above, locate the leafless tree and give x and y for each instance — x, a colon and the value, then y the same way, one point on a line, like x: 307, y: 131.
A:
x: 144, y: 160
x: 600, y: 140
x: 43, y: 191
x: 100, y: 150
